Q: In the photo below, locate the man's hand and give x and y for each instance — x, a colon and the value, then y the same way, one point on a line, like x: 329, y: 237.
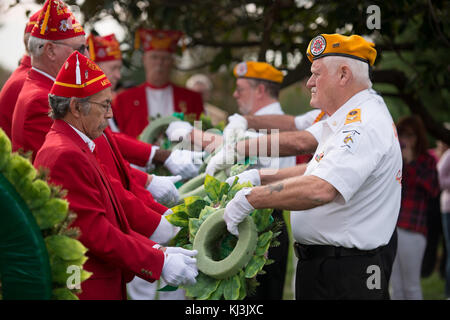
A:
x: 184, y: 163
x: 180, y: 266
x: 177, y: 130
x: 236, y: 123
x: 225, y: 158
x: 163, y: 189
x: 236, y: 210
x: 251, y: 176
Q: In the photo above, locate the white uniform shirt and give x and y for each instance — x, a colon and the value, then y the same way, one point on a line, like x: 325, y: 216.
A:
x: 275, y: 163
x: 359, y: 154
x: 159, y: 101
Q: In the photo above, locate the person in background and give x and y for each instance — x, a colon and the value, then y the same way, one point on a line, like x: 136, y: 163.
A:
x: 443, y: 168
x: 157, y: 96
x: 203, y: 85
x: 419, y: 185
x: 12, y: 87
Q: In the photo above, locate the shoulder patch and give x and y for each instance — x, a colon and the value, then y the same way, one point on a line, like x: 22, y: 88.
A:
x: 350, y: 140
x: 353, y: 116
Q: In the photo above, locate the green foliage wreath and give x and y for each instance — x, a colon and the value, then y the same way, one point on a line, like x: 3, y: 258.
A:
x: 37, y: 246
x: 190, y: 216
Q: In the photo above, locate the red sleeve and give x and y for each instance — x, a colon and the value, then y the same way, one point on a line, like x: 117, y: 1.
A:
x: 102, y: 238
x: 139, y: 176
x: 141, y: 218
x: 133, y: 150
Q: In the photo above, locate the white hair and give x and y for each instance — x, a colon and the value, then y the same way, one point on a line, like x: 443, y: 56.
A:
x: 359, y: 69
x: 36, y: 46
x: 190, y: 83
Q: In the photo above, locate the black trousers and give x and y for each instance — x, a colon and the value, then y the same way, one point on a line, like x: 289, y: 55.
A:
x: 342, y: 278
x: 388, y: 254
x: 271, y: 284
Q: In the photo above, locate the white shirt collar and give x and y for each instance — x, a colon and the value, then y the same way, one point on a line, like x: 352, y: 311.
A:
x: 44, y: 73
x: 86, y: 139
x: 273, y: 108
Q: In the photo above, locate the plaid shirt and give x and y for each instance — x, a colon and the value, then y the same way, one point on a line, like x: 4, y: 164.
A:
x: 419, y: 185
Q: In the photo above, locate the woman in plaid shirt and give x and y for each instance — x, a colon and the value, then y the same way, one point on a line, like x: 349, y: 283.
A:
x: 419, y: 185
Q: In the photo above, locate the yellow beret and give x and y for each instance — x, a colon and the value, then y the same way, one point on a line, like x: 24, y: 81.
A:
x: 355, y: 47
x: 258, y: 71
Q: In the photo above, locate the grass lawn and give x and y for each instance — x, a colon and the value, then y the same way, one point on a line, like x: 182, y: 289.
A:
x: 432, y: 287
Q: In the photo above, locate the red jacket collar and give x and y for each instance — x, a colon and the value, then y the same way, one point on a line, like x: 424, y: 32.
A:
x: 26, y: 61
x: 34, y: 75
x: 63, y: 127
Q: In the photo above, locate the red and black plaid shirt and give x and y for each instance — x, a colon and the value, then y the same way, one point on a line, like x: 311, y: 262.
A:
x: 419, y: 185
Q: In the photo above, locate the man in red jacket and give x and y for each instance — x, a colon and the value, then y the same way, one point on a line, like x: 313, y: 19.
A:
x: 157, y: 95
x: 80, y: 105
x: 11, y: 89
x: 55, y: 36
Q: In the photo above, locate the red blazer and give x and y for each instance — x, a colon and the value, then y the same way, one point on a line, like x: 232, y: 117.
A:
x: 30, y: 119
x: 10, y: 93
x: 133, y: 150
x: 110, y: 155
x: 116, y: 253
x: 130, y: 107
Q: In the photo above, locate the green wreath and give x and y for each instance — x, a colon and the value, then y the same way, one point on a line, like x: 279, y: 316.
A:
x: 36, y: 243
x: 236, y: 278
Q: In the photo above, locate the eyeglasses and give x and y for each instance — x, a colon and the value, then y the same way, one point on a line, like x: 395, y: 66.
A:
x: 106, y: 106
x: 80, y: 49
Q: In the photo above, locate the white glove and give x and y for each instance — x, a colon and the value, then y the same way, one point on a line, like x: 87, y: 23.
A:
x: 177, y: 130
x: 180, y: 268
x: 225, y: 158
x: 163, y: 189
x: 165, y: 230
x: 237, y: 124
x: 251, y: 176
x: 236, y: 210
x: 184, y: 163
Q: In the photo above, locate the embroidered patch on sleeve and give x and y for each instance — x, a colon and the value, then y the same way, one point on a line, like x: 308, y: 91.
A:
x: 353, y: 116
x: 350, y: 140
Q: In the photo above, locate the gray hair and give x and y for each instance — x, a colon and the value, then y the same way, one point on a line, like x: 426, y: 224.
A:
x: 60, y: 106
x: 36, y: 46
x: 359, y: 69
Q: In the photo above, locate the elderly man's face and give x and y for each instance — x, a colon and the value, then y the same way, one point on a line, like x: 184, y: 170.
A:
x: 321, y: 83
x: 245, y: 96
x: 158, y: 65
x: 95, y: 122
x: 112, y: 70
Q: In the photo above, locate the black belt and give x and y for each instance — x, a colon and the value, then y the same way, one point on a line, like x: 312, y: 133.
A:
x: 308, y: 252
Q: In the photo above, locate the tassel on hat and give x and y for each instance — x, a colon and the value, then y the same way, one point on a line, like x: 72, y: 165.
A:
x: 91, y: 47
x: 46, y: 17
x: 77, y: 73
